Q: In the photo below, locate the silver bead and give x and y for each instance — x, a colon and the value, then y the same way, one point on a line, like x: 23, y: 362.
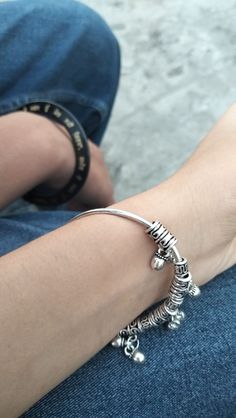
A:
x: 180, y: 315
x: 117, y: 342
x: 173, y: 325
x: 194, y: 290
x: 181, y: 267
x: 160, y: 234
x: 157, y: 263
x: 177, y: 321
x: 138, y: 357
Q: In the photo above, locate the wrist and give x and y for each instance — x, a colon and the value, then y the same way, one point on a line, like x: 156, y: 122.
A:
x: 170, y: 203
x: 204, y: 229
x: 62, y: 179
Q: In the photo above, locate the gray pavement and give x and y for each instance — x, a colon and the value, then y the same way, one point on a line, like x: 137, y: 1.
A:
x: 178, y: 77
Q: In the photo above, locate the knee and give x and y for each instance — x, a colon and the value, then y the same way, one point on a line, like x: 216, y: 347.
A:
x: 96, y: 41
x: 96, y: 48
x: 82, y: 29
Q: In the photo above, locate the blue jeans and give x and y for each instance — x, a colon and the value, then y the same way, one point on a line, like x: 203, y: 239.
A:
x: 61, y: 50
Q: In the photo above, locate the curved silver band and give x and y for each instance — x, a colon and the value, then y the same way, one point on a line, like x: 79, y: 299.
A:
x: 124, y: 214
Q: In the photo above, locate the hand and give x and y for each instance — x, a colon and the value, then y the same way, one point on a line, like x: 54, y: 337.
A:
x: 198, y: 204
x: 97, y: 190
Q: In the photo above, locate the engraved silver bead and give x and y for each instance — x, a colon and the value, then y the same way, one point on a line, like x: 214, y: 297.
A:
x: 160, y: 234
x: 138, y: 357
x: 133, y: 327
x: 181, y: 267
x: 170, y: 308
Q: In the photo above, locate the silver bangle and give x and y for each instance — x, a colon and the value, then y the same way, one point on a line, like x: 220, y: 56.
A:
x: 169, y: 310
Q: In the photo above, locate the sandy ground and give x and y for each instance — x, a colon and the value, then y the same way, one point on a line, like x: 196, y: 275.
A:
x: 178, y: 77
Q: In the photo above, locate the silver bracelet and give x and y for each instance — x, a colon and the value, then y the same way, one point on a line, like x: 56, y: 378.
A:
x: 169, y: 310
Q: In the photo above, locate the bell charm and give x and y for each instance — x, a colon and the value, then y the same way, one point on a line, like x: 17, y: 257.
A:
x: 138, y: 357
x: 194, y: 290
x: 157, y: 263
x: 117, y: 342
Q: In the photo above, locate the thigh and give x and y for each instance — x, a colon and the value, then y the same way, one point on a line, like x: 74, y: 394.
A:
x: 18, y: 227
x: 58, y: 50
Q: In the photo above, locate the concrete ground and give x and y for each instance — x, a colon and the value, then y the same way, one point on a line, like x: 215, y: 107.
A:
x: 178, y: 77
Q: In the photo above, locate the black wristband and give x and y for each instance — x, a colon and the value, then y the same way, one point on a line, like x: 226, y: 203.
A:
x: 59, y: 114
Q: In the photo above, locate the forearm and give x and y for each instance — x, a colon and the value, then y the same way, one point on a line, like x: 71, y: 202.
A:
x: 65, y: 295
x: 33, y: 150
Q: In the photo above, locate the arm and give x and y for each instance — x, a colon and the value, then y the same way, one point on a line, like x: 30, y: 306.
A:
x: 34, y: 150
x: 65, y: 295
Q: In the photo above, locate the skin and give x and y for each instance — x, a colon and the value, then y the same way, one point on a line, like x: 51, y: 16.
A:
x: 52, y: 303
x: 41, y: 153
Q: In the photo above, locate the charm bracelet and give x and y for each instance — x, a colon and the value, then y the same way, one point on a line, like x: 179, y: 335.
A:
x: 169, y: 310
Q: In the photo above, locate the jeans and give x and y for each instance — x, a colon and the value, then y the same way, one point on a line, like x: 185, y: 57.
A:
x: 63, y: 51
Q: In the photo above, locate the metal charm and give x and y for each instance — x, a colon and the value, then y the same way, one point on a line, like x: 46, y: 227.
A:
x: 118, y: 342
x: 161, y: 236
x: 157, y: 263
x: 159, y: 259
x: 194, y: 290
x: 176, y: 320
x: 138, y: 357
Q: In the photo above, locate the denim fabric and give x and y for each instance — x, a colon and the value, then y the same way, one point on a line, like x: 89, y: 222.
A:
x: 63, y: 51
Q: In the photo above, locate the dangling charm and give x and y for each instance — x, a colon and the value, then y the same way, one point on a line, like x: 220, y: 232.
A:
x: 157, y: 263
x: 118, y: 342
x: 159, y: 259
x: 176, y: 320
x: 138, y: 357
x: 194, y: 290
x: 131, y: 345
